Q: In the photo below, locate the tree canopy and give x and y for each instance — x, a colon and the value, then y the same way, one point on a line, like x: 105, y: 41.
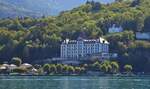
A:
x: 36, y: 39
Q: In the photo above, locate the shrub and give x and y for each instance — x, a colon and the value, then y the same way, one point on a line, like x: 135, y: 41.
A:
x: 128, y: 68
x: 20, y: 70
x: 16, y: 61
x: 46, y: 68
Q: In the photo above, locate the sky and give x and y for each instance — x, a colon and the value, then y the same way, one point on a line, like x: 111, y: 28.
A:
x: 62, y: 5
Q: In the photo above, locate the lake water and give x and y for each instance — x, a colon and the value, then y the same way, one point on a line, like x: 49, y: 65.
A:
x: 76, y: 82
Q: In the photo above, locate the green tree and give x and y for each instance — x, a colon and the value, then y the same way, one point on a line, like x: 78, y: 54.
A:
x: 104, y: 68
x: 59, y: 68
x: 53, y: 68
x: 96, y: 65
x: 46, y: 68
x: 71, y: 69
x: 115, y: 67
x: 16, y: 61
x: 65, y: 69
x: 77, y: 70
x: 128, y: 68
x: 20, y: 70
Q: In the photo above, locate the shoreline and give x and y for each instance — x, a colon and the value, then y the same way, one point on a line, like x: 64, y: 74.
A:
x: 105, y: 75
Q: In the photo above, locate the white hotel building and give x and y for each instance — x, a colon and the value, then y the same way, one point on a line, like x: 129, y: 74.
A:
x: 82, y: 47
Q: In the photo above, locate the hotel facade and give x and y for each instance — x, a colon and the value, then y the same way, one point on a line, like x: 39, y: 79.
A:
x: 81, y: 48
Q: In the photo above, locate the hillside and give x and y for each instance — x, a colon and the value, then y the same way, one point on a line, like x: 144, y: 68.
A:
x: 34, y: 8
x: 8, y: 10
x: 38, y: 39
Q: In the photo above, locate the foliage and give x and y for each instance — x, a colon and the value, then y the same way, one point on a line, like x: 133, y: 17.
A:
x: 36, y: 39
x: 105, y: 66
x: 128, y: 68
x: 96, y: 65
x: 46, y: 68
x: 53, y: 68
x: 71, y: 69
x: 20, y: 70
x: 59, y: 68
x: 115, y: 67
x: 16, y: 61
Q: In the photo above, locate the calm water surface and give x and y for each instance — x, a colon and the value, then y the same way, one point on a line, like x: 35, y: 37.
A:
x: 57, y: 82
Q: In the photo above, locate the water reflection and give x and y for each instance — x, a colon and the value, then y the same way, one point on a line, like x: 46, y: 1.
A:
x: 55, y: 82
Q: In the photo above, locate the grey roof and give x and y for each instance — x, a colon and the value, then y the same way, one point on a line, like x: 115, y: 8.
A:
x: 100, y: 40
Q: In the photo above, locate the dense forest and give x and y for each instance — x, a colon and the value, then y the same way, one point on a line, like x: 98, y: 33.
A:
x: 34, y: 39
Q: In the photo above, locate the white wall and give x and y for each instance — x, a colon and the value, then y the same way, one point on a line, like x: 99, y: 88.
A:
x: 143, y: 36
x: 115, y: 29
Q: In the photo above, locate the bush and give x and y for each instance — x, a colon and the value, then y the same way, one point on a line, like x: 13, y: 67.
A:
x: 46, y: 68
x: 65, y: 69
x: 53, y: 69
x: 16, y: 61
x: 77, y: 70
x: 128, y: 68
x: 20, y: 70
x: 59, y: 68
x: 71, y: 69
x: 115, y: 67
